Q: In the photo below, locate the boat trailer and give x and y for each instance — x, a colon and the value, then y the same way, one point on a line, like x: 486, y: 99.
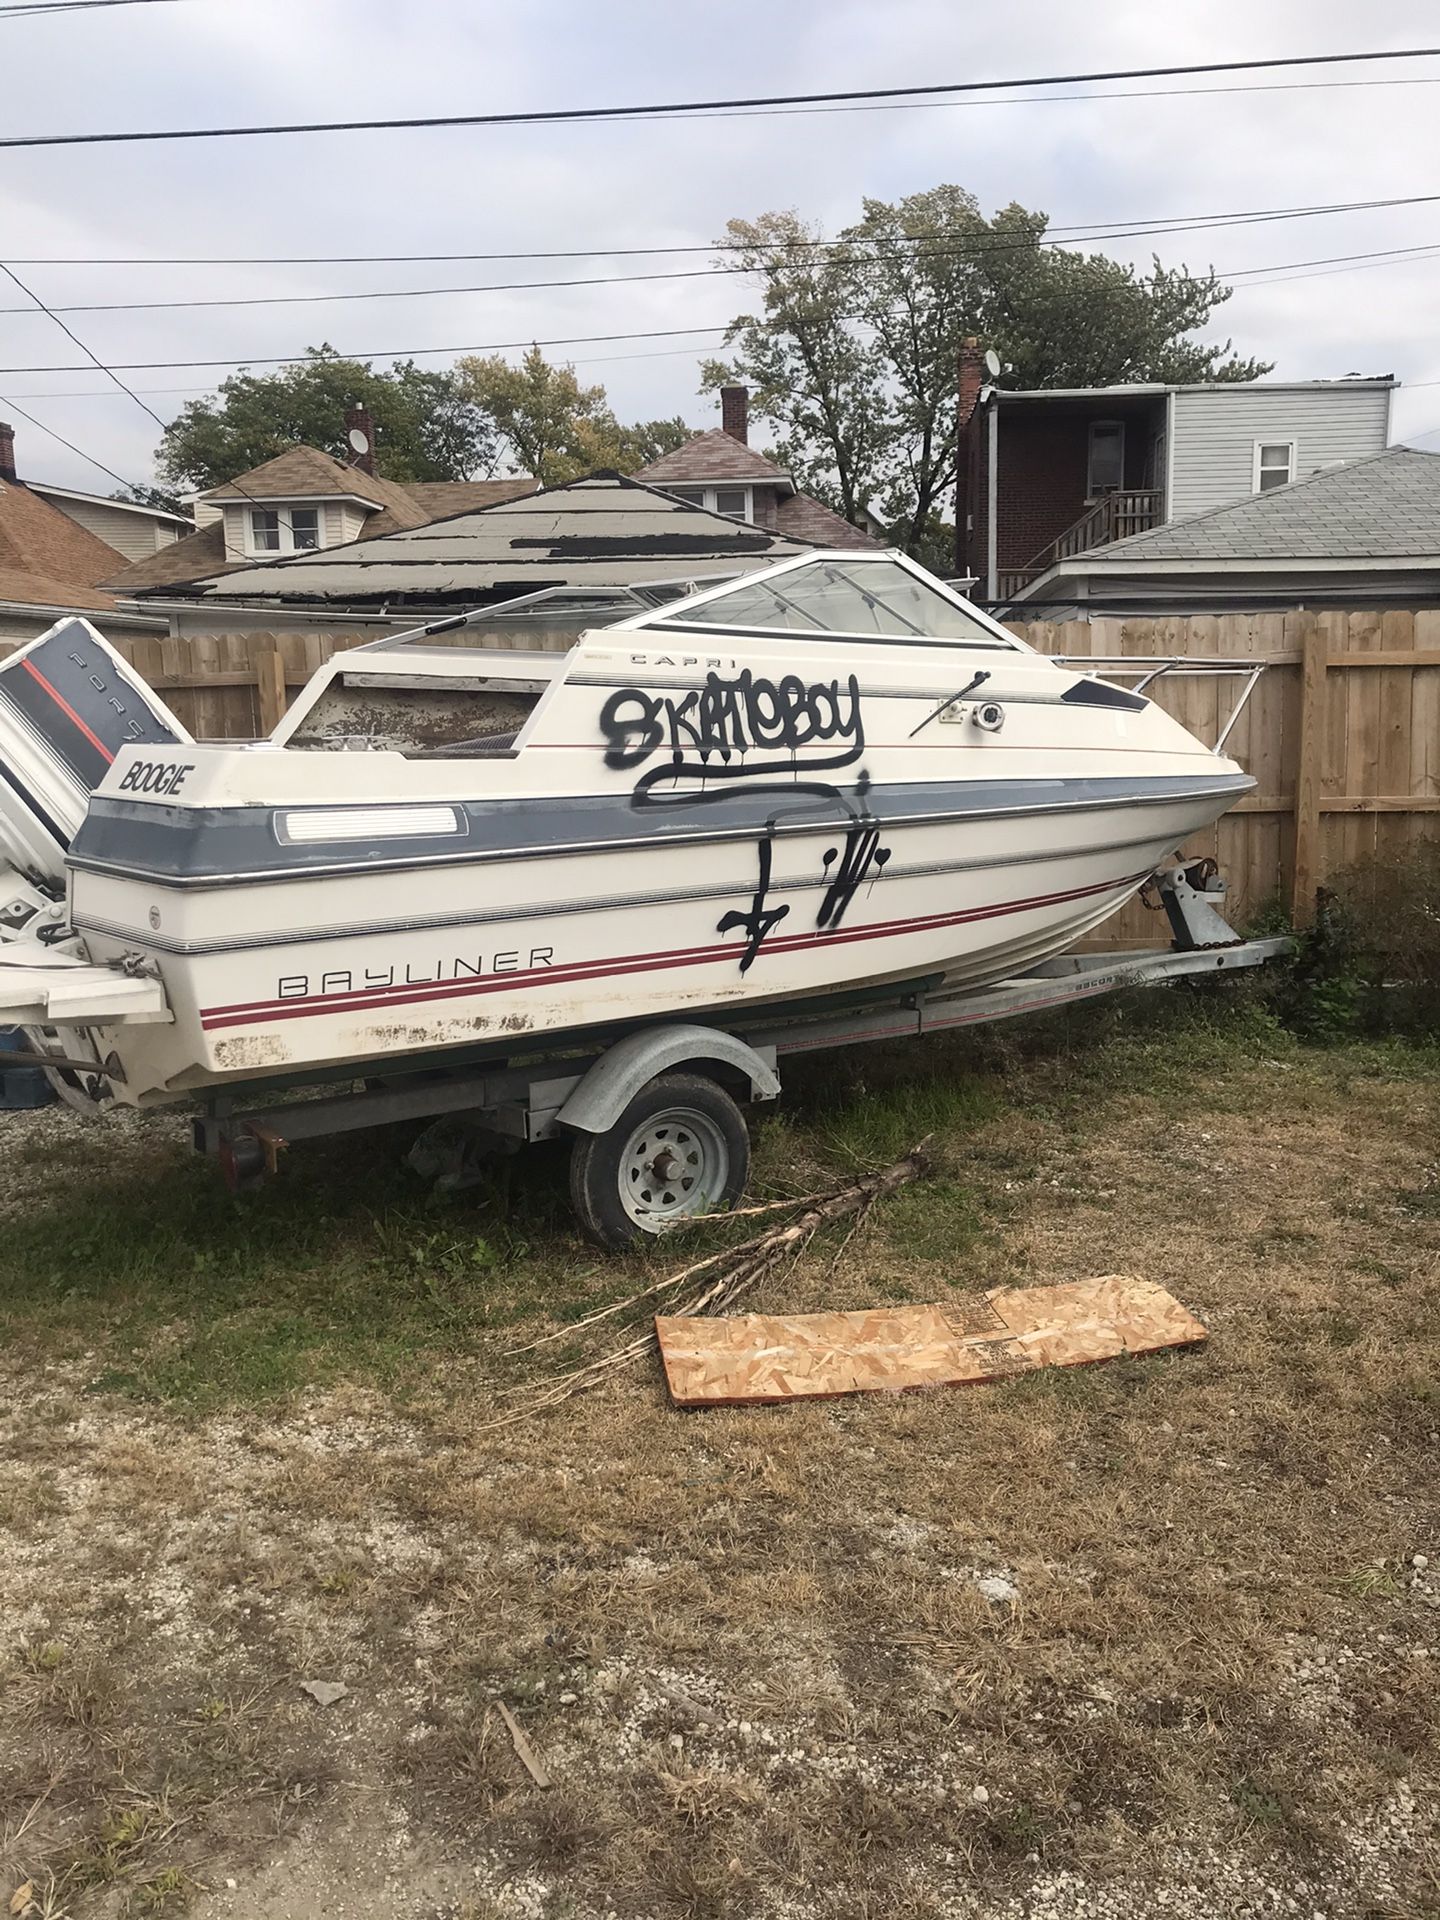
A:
x: 654, y: 1112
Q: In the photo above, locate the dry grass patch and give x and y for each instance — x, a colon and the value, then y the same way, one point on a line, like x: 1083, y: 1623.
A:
x: 1078, y: 1638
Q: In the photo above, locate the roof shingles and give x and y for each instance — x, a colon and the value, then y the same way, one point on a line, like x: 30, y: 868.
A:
x: 1385, y: 506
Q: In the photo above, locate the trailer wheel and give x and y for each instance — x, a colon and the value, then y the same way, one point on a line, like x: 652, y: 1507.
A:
x: 680, y: 1148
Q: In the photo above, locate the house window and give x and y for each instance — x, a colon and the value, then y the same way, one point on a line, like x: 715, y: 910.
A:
x: 1106, y: 470
x: 1274, y: 464
x: 304, y: 528
x: 284, y: 529
x: 733, y: 502
x: 265, y: 529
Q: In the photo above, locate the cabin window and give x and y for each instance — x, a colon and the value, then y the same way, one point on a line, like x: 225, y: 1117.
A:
x: 862, y: 599
x: 1106, y: 470
x: 1274, y: 464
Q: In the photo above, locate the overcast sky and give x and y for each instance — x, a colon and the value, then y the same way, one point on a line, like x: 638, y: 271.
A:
x: 197, y: 62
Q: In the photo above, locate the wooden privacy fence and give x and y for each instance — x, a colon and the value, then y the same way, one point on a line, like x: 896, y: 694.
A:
x: 1342, y: 732
x: 1342, y: 735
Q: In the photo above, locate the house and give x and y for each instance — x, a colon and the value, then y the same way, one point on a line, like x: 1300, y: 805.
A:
x: 133, y: 530
x: 597, y: 534
x: 305, y: 501
x: 50, y: 564
x: 721, y: 471
x: 1365, y: 533
x: 1047, y: 474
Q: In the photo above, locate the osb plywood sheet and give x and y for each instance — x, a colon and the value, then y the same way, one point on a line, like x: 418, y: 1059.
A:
x: 766, y: 1357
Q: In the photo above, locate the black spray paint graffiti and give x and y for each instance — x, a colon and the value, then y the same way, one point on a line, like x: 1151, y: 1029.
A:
x: 861, y: 853
x: 861, y: 859
x: 711, y: 733
x: 761, y: 919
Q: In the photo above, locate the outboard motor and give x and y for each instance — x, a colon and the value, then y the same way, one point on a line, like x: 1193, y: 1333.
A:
x: 68, y: 703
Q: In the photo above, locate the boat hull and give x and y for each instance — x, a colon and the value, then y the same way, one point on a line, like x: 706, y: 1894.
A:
x: 291, y: 974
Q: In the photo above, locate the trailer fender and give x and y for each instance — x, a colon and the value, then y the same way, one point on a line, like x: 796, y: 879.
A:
x: 622, y: 1070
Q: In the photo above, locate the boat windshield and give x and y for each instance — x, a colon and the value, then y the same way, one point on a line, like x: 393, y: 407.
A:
x: 847, y: 597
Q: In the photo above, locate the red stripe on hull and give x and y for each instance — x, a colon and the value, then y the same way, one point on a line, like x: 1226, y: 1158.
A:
x: 259, y: 1013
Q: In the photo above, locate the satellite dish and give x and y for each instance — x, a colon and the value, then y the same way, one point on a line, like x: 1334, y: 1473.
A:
x: 992, y: 363
x: 359, y: 442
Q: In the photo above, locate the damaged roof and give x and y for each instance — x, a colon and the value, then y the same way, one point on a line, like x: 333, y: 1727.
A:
x: 604, y: 530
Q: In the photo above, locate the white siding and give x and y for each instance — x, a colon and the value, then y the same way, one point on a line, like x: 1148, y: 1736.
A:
x: 1216, y: 431
x: 237, y: 546
x: 352, y: 523
x: 206, y: 513
x: 135, y: 535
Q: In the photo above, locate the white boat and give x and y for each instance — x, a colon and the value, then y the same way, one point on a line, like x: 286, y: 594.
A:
x: 825, y: 777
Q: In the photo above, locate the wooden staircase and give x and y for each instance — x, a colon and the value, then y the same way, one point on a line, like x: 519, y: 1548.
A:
x: 1114, y: 516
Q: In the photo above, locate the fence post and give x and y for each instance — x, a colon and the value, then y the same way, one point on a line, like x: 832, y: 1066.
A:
x: 270, y: 674
x: 1315, y: 643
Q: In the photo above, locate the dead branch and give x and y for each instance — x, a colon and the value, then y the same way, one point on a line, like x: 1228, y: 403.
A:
x: 750, y: 1262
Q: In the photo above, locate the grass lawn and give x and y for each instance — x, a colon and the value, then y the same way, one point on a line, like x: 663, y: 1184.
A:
x: 1157, y: 1637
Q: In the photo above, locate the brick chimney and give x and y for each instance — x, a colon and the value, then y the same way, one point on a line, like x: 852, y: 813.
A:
x: 735, y: 413
x: 972, y: 377
x: 358, y: 421
x: 7, y: 452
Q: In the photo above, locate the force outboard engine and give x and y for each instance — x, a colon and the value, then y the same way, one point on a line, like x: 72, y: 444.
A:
x: 68, y: 703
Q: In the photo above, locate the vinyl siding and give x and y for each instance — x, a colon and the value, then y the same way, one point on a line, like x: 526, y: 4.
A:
x: 1216, y: 431
x: 129, y: 533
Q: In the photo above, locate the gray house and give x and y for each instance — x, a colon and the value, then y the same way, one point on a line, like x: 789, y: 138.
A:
x: 1365, y: 533
x: 1050, y: 473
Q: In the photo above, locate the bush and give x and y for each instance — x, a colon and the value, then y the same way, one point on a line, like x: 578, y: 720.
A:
x: 1371, y: 961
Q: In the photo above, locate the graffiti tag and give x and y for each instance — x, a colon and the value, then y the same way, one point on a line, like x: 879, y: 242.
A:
x: 718, y: 730
x: 862, y: 854
x: 759, y: 921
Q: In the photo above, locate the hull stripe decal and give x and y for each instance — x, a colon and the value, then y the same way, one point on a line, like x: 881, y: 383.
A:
x: 261, y: 1012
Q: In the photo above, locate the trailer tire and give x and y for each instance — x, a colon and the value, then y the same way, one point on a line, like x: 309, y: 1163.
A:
x: 680, y: 1148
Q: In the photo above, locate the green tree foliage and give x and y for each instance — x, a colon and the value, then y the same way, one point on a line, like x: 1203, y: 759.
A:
x: 426, y: 425
x: 552, y: 427
x: 853, y: 357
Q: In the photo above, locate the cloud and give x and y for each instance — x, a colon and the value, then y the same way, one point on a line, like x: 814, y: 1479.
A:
x: 656, y: 183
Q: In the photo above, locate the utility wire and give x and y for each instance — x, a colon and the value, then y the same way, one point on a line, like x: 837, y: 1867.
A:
x: 860, y: 259
x: 376, y: 353
x: 34, y: 10
x: 1136, y: 227
x: 551, y: 116
x: 12, y: 406
x: 109, y: 372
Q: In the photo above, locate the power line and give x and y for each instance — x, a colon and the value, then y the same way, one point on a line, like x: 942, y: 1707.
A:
x: 12, y: 406
x: 109, y: 372
x: 551, y: 116
x: 874, y: 257
x: 1137, y: 227
x: 375, y: 353
x: 33, y: 10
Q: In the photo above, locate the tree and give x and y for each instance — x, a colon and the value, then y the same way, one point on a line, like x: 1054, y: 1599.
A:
x: 853, y: 358
x: 426, y: 425
x: 552, y: 427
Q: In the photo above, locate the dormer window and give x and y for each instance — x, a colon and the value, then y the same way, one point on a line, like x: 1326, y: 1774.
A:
x: 284, y: 529
x: 733, y: 502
